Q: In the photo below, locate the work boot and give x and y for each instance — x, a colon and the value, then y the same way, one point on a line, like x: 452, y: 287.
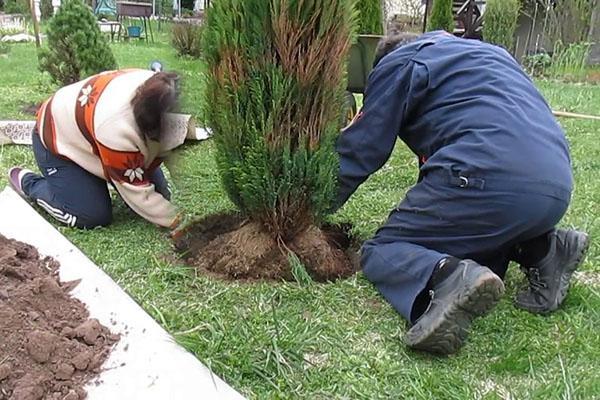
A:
x: 549, y: 279
x: 470, y: 291
x: 15, y: 179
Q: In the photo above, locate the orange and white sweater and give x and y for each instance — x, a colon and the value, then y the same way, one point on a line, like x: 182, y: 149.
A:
x: 91, y: 123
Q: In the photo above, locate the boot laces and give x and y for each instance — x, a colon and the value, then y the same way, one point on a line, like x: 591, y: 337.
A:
x: 535, y: 282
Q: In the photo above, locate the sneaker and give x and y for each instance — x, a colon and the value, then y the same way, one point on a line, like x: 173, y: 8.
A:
x: 549, y: 280
x: 15, y: 178
x: 470, y: 291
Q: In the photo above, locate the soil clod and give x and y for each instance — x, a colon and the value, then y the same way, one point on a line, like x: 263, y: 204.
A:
x: 82, y: 360
x: 64, y: 371
x: 4, y: 371
x: 40, y: 345
x: 29, y: 387
x: 89, y: 331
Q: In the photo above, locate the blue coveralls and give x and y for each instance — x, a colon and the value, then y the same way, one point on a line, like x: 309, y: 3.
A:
x: 495, y: 168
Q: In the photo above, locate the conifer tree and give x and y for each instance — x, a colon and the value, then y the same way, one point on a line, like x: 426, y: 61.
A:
x: 442, y: 17
x: 370, y: 17
x: 501, y: 22
x: 274, y: 94
x: 76, y: 47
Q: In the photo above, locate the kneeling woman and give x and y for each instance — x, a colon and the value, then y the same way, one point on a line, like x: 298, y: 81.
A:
x: 107, y: 128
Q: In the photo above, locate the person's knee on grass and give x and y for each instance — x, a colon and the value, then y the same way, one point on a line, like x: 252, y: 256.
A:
x: 97, y: 218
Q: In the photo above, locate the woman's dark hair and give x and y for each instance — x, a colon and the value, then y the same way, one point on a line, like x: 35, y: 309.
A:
x: 391, y: 42
x: 153, y: 99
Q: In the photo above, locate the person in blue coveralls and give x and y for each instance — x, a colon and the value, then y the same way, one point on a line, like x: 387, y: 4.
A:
x: 495, y: 179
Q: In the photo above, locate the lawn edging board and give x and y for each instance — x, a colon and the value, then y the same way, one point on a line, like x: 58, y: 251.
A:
x: 146, y: 363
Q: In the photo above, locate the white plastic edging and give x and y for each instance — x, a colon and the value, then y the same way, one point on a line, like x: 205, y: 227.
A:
x: 146, y: 364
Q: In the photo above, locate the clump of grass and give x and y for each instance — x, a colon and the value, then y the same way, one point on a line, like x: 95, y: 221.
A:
x: 11, y: 30
x: 301, y: 276
x: 569, y: 61
x: 186, y: 38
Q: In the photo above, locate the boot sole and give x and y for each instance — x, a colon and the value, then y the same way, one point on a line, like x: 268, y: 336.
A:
x: 447, y: 332
x: 583, y: 245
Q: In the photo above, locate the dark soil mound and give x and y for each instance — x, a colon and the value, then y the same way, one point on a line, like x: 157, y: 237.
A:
x: 49, y: 349
x: 234, y: 248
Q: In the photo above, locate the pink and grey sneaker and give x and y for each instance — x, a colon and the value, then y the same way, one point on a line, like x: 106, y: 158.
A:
x: 15, y: 178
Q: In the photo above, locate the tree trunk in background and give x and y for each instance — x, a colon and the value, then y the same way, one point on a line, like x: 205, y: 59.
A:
x: 36, y: 26
x: 594, y: 35
x: 385, y: 14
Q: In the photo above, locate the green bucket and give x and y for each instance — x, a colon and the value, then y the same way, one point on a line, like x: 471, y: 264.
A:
x: 360, y: 62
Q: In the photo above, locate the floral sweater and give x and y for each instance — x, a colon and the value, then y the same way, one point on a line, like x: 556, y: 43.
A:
x: 91, y: 123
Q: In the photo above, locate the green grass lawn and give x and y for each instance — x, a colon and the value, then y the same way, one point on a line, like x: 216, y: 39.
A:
x: 340, y: 340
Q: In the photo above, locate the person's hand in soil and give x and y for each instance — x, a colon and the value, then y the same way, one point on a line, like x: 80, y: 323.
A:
x: 179, y: 228
x: 177, y: 234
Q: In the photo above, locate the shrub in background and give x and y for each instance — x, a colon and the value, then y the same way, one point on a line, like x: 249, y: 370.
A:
x: 186, y: 37
x: 441, y: 17
x: 537, y: 64
x: 568, y: 21
x: 370, y: 17
x: 12, y: 30
x: 16, y: 7
x: 501, y: 22
x: 274, y: 91
x: 165, y: 7
x: 569, y: 61
x: 76, y: 47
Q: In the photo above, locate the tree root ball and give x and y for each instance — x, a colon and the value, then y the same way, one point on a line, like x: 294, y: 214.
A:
x: 232, y: 248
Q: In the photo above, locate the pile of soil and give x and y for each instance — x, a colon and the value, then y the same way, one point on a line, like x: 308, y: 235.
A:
x: 234, y: 248
x: 49, y: 348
